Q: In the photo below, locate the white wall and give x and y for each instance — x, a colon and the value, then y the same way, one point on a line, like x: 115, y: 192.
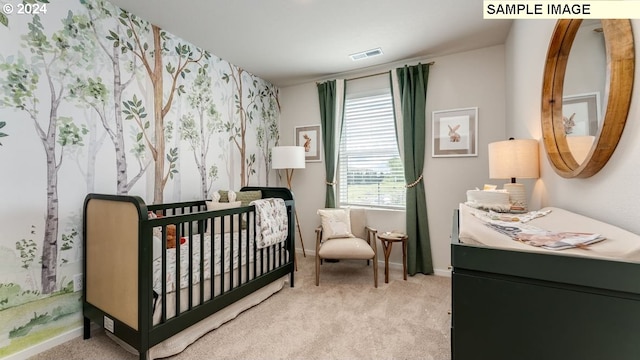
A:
x: 612, y: 194
x: 469, y: 79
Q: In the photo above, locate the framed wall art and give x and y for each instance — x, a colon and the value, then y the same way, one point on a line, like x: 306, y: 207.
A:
x: 455, y: 132
x: 310, y: 138
x: 581, y: 114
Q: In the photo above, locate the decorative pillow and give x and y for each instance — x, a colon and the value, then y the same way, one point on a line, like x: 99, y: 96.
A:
x: 215, y: 196
x: 224, y: 195
x: 243, y: 196
x: 336, y: 223
x: 213, y: 206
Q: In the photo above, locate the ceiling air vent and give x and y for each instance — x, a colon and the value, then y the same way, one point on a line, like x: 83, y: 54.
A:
x: 366, y: 54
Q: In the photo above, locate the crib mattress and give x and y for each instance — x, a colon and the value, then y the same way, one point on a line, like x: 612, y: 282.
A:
x: 221, y: 283
x: 619, y: 244
x: 192, y: 245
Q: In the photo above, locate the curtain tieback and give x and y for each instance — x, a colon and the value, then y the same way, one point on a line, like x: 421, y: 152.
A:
x: 408, y: 186
x: 330, y: 183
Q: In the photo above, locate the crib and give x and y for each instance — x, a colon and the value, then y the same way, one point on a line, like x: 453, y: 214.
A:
x: 143, y: 301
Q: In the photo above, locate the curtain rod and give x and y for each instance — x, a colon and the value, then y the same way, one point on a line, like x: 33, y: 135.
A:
x: 380, y: 73
x: 366, y: 76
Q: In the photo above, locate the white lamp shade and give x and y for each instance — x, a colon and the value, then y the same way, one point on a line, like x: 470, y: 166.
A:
x: 287, y: 157
x: 514, y: 159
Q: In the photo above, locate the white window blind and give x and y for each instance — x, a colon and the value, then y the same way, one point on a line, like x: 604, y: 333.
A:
x: 370, y: 171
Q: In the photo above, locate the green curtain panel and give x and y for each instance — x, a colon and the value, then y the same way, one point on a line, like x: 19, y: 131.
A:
x: 330, y: 94
x: 412, y: 81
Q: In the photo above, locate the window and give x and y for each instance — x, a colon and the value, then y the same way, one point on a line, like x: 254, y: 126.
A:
x: 370, y: 172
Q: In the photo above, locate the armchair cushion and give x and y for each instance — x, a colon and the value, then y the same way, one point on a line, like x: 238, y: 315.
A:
x: 336, y: 223
x: 346, y: 248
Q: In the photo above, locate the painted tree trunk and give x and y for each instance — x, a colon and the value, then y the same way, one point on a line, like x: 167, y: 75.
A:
x: 93, y: 145
x: 50, y: 241
x: 243, y: 123
x: 157, y: 81
x: 122, y: 181
x: 202, y: 164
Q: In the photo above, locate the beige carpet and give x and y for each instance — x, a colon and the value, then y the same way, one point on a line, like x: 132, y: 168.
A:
x: 344, y: 318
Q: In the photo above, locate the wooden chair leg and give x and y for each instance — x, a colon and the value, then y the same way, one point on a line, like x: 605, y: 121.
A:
x: 375, y: 272
x: 318, y: 270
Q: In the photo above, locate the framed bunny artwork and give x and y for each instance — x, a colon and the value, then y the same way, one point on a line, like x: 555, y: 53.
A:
x: 581, y: 114
x: 455, y: 132
x: 309, y: 136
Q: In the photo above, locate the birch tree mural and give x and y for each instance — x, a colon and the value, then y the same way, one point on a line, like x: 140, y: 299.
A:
x: 199, y: 129
x: 48, y: 63
x: 267, y: 132
x: 95, y: 93
x: 151, y: 57
x: 237, y: 126
x: 90, y: 98
x: 83, y: 89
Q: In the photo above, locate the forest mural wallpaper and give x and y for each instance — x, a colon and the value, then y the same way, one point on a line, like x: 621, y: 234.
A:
x: 96, y: 99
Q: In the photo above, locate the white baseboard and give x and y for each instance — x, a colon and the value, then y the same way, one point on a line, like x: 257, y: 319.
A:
x: 442, y: 272
x: 46, y: 345
x: 49, y: 344
x: 392, y: 265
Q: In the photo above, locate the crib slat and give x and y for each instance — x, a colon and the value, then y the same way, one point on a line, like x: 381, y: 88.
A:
x: 202, y: 252
x: 178, y: 284
x: 231, y: 243
x: 251, y: 226
x: 239, y: 218
x: 164, y: 273
x: 190, y: 277
x: 212, y: 263
x: 248, y: 257
x: 222, y: 252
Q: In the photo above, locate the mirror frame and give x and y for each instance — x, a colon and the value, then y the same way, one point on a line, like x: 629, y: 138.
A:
x: 620, y: 50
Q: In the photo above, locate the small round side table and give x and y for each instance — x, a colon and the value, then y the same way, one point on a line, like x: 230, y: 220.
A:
x: 387, y: 239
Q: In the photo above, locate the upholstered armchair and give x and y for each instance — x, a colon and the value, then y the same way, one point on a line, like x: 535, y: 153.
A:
x: 344, y: 235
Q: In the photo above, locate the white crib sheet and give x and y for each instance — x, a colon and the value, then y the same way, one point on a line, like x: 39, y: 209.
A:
x: 194, y: 243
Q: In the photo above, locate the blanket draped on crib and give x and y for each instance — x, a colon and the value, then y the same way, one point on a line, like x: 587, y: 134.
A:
x: 271, y: 222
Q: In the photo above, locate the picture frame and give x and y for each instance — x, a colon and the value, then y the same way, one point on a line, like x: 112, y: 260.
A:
x: 309, y: 137
x: 581, y: 114
x: 454, y: 132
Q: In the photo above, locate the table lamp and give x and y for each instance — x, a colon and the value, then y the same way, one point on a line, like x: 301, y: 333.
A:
x: 289, y: 158
x: 513, y: 159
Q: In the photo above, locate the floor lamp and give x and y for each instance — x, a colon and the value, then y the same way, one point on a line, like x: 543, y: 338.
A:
x: 289, y: 158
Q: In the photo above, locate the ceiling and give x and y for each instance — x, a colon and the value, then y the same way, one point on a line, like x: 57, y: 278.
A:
x: 288, y: 42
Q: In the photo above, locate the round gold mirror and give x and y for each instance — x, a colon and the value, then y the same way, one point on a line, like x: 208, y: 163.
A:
x: 620, y: 62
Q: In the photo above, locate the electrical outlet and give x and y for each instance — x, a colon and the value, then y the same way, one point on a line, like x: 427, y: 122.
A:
x: 77, y: 282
